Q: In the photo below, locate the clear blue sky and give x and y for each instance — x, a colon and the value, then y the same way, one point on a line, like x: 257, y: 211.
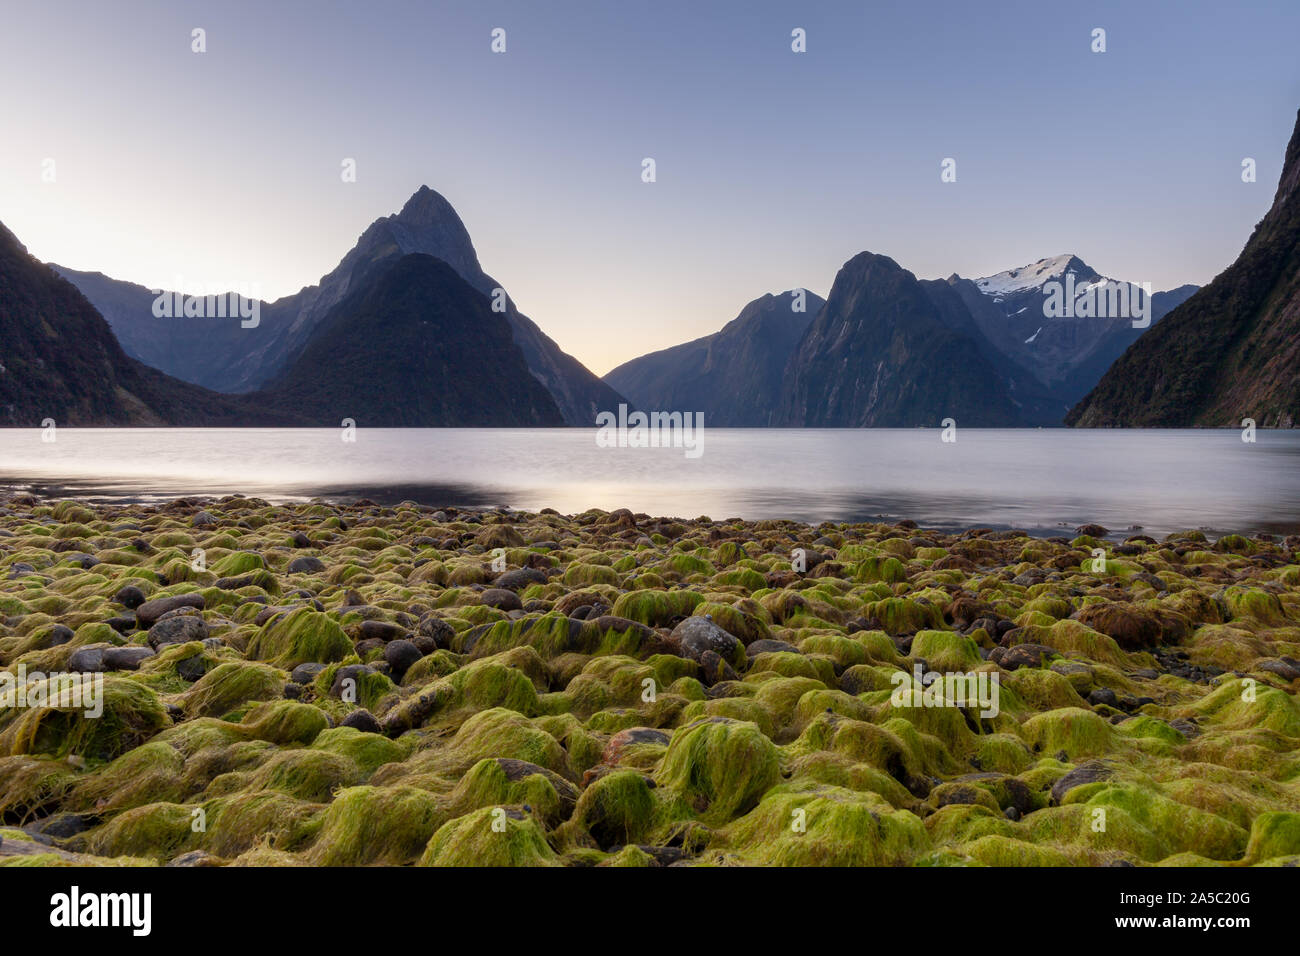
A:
x: 773, y: 167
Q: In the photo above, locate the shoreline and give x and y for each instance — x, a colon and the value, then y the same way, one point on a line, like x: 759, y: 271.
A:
x: 616, y: 689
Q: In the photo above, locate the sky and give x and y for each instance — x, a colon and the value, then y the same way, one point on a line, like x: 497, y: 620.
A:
x: 173, y: 168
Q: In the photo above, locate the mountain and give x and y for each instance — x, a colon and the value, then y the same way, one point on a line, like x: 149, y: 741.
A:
x: 1035, y: 403
x: 413, y: 345
x: 1069, y: 351
x: 734, y: 375
x: 1231, y: 351
x: 220, y: 354
x: 60, y: 360
x: 881, y: 354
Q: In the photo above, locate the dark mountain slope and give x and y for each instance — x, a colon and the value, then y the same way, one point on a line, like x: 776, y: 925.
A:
x: 220, y: 354
x: 60, y: 360
x: 880, y: 354
x: 733, y: 376
x: 1231, y: 351
x: 413, y: 345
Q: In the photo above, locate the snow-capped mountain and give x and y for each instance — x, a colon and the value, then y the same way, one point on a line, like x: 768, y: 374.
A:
x: 1063, y: 321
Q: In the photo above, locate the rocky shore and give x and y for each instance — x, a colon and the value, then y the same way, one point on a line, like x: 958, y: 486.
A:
x: 322, y: 684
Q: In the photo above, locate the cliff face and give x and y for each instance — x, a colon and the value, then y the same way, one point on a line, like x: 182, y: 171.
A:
x: 413, y: 345
x: 882, y: 354
x: 59, y: 360
x: 1231, y: 351
x: 734, y: 375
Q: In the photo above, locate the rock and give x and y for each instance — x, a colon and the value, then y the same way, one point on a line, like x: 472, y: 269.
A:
x: 696, y: 635
x: 306, y: 673
x: 501, y: 599
x: 768, y: 645
x: 58, y: 635
x: 1091, y: 772
x: 1132, y: 628
x: 177, y: 630
x: 149, y: 612
x: 130, y: 597
x: 1103, y: 697
x: 381, y: 631
x: 62, y: 826
x: 716, y: 670
x: 88, y: 659
x: 629, y: 737
x: 519, y: 579
x: 362, y: 720
x: 196, y: 858
x: 400, y: 655
x: 125, y: 658
x: 1024, y: 655
x: 307, y: 564
x: 192, y: 668
x: 1284, y: 667
x: 439, y: 630
x: 204, y: 519
x: 349, y: 672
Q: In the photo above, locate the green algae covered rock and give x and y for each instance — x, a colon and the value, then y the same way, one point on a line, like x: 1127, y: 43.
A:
x: 719, y: 768
x: 492, y: 836
x: 1147, y: 716
x: 302, y: 636
x: 827, y: 826
x: 99, y: 721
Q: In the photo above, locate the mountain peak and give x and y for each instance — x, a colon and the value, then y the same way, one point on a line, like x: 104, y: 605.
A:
x: 1035, y: 275
x: 426, y: 206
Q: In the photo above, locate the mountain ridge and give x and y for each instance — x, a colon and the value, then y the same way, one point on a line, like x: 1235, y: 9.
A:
x: 1230, y: 352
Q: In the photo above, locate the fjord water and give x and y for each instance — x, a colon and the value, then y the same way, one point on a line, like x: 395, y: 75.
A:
x: 1045, y: 481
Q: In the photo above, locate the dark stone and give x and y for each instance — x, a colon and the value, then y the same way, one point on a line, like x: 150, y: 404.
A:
x: 1025, y: 655
x: 696, y: 635
x: 126, y: 658
x: 1103, y: 697
x: 123, y: 624
x: 307, y: 564
x: 192, y: 667
x: 362, y: 720
x: 88, y: 659
x: 1091, y: 772
x: 519, y: 579
x: 62, y: 826
x: 306, y: 673
x: 502, y: 599
x: 715, y: 669
x: 130, y: 597
x: 177, y: 630
x: 400, y: 655
x: 149, y: 612
x: 58, y: 634
x: 380, y: 631
x: 438, y: 629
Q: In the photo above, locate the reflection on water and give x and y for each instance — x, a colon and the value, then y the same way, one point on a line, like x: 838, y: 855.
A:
x: 1041, y: 480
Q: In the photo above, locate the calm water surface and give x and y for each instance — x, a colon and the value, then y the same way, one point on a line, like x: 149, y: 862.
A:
x: 1039, y: 480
